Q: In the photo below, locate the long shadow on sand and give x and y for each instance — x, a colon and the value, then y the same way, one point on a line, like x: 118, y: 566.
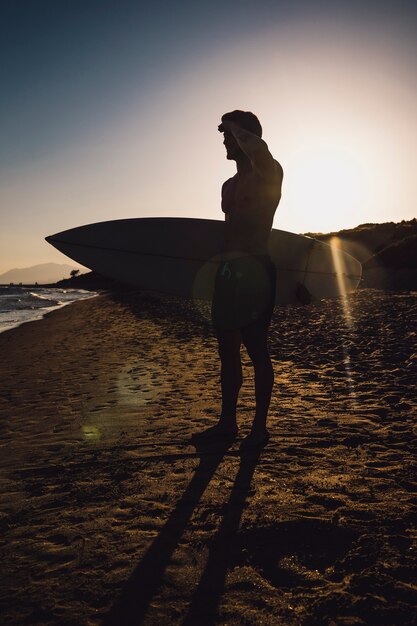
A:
x: 204, y: 606
x: 133, y: 603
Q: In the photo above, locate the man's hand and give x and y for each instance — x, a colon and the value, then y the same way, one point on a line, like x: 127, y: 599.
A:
x: 228, y: 127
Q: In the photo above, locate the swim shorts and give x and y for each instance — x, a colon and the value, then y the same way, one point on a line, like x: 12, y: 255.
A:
x: 244, y: 292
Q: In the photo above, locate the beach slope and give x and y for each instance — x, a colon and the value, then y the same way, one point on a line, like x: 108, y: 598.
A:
x: 110, y: 515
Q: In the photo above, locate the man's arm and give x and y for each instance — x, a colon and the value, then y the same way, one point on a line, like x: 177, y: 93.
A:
x: 254, y: 147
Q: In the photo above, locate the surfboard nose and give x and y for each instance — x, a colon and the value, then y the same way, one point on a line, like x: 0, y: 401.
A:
x: 53, y: 239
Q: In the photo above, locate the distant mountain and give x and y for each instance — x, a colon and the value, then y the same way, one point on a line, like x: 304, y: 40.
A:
x: 44, y: 273
x: 388, y: 252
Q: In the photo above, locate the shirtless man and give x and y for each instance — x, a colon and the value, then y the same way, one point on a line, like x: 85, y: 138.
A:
x: 245, y: 284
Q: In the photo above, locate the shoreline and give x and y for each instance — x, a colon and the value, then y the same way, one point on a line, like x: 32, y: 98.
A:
x: 123, y: 289
x: 40, y: 313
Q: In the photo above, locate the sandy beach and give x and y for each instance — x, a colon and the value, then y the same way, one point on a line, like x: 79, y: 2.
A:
x: 109, y: 515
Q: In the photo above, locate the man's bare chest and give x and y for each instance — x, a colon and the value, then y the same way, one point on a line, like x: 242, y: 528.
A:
x: 245, y: 192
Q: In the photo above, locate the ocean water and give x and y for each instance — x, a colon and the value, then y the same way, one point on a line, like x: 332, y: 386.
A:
x: 25, y: 304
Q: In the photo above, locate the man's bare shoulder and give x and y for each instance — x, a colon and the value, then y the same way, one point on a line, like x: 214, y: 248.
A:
x: 276, y: 171
x: 265, y: 167
x: 271, y: 173
x: 279, y: 168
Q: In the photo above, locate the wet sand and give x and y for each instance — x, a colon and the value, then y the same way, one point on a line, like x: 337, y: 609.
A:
x: 110, y: 515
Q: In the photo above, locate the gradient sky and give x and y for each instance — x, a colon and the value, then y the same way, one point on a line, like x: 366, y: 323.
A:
x: 109, y: 110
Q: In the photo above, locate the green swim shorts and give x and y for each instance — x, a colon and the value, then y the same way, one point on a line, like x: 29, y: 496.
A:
x: 244, y: 292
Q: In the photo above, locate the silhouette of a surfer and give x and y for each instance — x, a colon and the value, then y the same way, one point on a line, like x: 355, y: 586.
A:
x: 244, y: 295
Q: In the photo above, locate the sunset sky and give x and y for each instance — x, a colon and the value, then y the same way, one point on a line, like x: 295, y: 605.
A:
x: 109, y: 110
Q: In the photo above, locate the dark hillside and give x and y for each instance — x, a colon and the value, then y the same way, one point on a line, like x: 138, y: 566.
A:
x: 398, y: 255
x: 368, y: 240
x: 388, y: 252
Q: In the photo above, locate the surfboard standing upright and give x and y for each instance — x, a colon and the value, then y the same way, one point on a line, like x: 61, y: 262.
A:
x: 180, y: 256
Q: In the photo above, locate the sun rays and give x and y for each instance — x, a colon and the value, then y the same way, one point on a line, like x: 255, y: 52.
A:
x: 341, y: 275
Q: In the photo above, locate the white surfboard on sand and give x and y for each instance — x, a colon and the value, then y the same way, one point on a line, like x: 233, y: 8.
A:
x: 180, y: 256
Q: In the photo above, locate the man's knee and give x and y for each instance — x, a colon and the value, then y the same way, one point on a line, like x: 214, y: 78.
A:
x: 260, y: 359
x: 229, y: 345
x: 257, y: 346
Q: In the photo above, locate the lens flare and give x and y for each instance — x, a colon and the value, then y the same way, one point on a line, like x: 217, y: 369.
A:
x: 341, y: 274
x: 91, y: 432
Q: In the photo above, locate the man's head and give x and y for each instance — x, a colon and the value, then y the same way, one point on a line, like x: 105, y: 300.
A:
x: 244, y: 119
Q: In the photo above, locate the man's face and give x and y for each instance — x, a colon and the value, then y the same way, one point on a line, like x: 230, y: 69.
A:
x: 231, y: 145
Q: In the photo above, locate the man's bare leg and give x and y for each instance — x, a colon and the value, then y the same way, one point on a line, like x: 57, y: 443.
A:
x: 229, y: 342
x: 255, y: 341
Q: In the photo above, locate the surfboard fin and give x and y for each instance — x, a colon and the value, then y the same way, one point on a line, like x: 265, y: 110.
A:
x: 302, y: 294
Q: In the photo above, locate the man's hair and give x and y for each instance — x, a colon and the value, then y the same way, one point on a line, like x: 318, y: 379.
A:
x: 246, y: 120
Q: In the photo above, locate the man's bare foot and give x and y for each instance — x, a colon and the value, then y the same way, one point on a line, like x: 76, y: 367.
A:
x: 255, y: 439
x: 219, y: 431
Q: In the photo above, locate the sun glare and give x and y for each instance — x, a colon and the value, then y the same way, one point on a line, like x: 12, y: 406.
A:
x: 340, y: 271
x: 330, y: 185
